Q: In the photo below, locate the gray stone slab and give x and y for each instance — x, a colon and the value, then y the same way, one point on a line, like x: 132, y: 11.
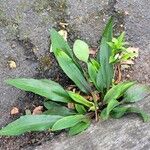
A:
x: 87, y: 18
x: 138, y: 33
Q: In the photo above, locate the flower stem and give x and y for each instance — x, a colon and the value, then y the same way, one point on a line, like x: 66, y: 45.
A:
x: 96, y: 105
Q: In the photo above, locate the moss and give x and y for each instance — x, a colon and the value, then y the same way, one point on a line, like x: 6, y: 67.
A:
x: 3, y: 20
x: 56, y: 9
x: 119, y: 22
x: 48, y: 5
x: 45, y: 62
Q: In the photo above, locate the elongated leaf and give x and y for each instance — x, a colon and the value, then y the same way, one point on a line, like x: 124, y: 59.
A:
x: 68, y: 122
x: 103, y: 114
x: 80, y: 109
x: 78, y: 128
x: 105, y: 74
x: 81, y: 50
x: 30, y: 123
x: 136, y: 93
x: 79, y: 99
x: 99, y: 82
x: 118, y: 112
x: 58, y: 42
x: 46, y: 88
x: 116, y: 91
x: 93, y: 68
x: 111, y: 105
x: 57, y: 109
x: 95, y: 63
x: 144, y: 116
x: 72, y: 71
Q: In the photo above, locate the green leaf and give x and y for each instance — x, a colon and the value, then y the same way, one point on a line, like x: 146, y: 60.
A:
x: 93, y: 67
x: 80, y: 109
x: 118, y: 112
x: 29, y: 123
x: 105, y: 74
x: 101, y: 86
x: 78, y: 128
x: 79, y: 99
x: 144, y: 116
x: 57, y: 109
x: 136, y: 93
x: 72, y: 71
x: 81, y: 50
x: 95, y: 64
x: 116, y: 91
x: 103, y: 114
x: 121, y: 39
x: 92, y: 72
x: 58, y: 42
x: 46, y: 88
x: 68, y: 122
x: 111, y: 105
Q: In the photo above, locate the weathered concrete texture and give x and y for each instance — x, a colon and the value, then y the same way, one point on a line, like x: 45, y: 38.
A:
x: 24, y: 68
x: 138, y: 33
x: 128, y: 132
x: 87, y: 18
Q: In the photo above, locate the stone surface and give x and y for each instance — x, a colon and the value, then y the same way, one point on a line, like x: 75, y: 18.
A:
x: 88, y: 17
x: 138, y: 34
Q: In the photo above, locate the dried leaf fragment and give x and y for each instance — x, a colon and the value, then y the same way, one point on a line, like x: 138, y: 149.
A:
x: 64, y: 34
x: 12, y: 64
x: 14, y: 111
x: 62, y: 24
x: 37, y: 110
x: 93, y: 51
x: 134, y: 50
x: 119, y: 75
x: 71, y: 105
x: 28, y: 112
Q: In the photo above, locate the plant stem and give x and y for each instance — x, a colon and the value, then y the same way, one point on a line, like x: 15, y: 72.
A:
x: 95, y: 103
x: 119, y: 74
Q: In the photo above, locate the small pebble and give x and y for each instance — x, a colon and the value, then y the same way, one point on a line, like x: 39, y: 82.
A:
x: 126, y: 13
x: 128, y: 76
x: 14, y: 111
x: 12, y: 64
x: 13, y: 46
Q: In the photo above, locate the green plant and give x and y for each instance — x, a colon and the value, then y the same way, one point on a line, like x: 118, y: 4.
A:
x: 95, y: 96
x: 120, y: 52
